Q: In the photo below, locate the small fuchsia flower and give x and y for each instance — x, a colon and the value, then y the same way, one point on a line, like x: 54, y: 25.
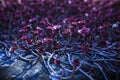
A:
x: 84, y: 31
x: 66, y: 20
x: 28, y: 27
x: 24, y: 47
x: 32, y: 20
x: 48, y: 40
x: 67, y: 31
x: 19, y: 1
x: 81, y: 22
x: 42, y: 34
x: 14, y: 43
x: 30, y: 41
x: 35, y: 32
x: 3, y: 3
x: 75, y: 23
x: 75, y: 62
x: 23, y: 30
x: 57, y: 61
x: 101, y: 27
x: 38, y: 42
x: 50, y: 28
x: 57, y: 27
x: 84, y: 49
x: 103, y: 43
x: 104, y: 34
x: 58, y: 46
x: 105, y: 26
x: 23, y: 23
x: 24, y: 38
x: 39, y: 29
x: 13, y: 48
x: 42, y: 49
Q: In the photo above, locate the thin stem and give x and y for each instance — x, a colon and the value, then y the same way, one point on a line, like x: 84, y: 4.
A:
x: 88, y: 76
x: 101, y: 70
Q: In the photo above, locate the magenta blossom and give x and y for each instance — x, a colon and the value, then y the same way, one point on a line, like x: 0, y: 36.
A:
x: 84, y: 31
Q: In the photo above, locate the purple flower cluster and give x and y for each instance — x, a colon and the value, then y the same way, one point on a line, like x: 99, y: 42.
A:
x: 71, y: 37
